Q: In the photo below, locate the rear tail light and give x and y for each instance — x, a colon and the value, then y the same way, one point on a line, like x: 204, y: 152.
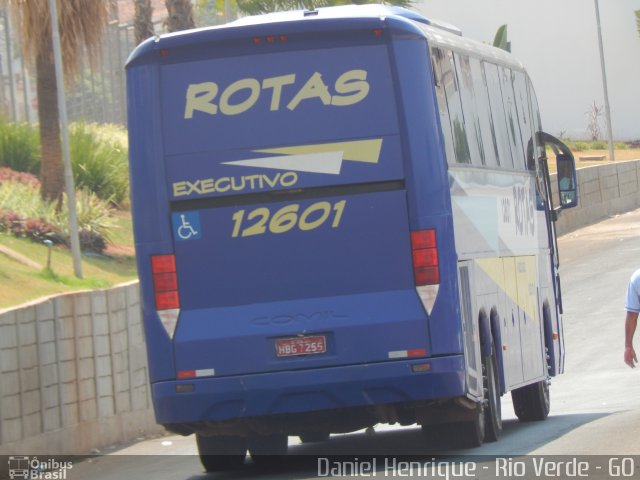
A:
x: 165, y: 282
x: 165, y: 290
x: 425, y: 257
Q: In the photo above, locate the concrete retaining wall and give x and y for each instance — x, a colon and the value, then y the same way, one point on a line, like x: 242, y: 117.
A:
x: 73, y: 368
x: 73, y: 373
x: 604, y: 190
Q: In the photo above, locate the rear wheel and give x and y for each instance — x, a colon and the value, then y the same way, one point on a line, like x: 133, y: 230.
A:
x: 267, y: 449
x: 218, y: 454
x: 532, y: 403
x: 493, y: 406
x: 457, y: 435
x: 469, y: 434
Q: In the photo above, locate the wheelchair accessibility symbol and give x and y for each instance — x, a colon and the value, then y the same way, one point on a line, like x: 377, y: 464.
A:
x: 186, y: 225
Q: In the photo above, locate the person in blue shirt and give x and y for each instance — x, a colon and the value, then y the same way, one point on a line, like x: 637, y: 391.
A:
x: 633, y: 308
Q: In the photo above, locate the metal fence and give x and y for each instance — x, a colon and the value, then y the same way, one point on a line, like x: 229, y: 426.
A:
x: 98, y: 95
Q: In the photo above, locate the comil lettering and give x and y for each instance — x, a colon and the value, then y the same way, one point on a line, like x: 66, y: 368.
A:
x: 285, y: 91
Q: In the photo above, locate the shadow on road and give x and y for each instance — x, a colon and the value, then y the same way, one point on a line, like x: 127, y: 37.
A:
x: 388, y: 447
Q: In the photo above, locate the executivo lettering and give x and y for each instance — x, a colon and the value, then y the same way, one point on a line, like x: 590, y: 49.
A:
x: 287, y: 91
x: 235, y: 184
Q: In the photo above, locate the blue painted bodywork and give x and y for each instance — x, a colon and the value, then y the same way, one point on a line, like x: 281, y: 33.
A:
x: 350, y: 280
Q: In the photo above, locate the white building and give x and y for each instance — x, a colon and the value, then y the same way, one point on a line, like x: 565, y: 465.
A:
x: 557, y: 42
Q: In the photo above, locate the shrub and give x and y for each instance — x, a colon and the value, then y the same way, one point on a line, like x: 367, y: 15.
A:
x: 39, y: 230
x: 94, y: 215
x: 23, y: 213
x: 8, y: 175
x: 19, y: 147
x: 98, y: 156
x: 92, y: 241
x: 25, y: 199
x: 621, y: 146
x: 99, y: 161
x: 36, y: 229
x: 579, y: 146
x: 599, y: 145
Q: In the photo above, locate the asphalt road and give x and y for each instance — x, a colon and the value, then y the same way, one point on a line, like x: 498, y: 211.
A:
x: 595, y: 405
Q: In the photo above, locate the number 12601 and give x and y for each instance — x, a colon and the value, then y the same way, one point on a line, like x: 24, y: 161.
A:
x: 259, y: 220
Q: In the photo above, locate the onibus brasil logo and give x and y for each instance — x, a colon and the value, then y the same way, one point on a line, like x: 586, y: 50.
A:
x: 35, y: 469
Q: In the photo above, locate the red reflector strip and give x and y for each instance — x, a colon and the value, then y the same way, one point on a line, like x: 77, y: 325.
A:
x: 167, y: 300
x: 416, y: 352
x: 421, y: 367
x: 206, y: 372
x: 163, y: 263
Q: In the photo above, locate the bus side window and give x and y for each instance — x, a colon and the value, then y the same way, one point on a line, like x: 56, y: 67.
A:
x: 524, y: 118
x: 498, y: 116
x: 536, y: 123
x: 513, y: 124
x: 481, y: 98
x: 470, y: 110
x: 539, y: 151
x: 454, y: 102
x: 437, y: 56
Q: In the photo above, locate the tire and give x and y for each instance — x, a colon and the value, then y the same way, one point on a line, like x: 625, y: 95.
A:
x: 532, y: 402
x: 493, y: 406
x: 458, y: 435
x: 469, y: 434
x: 314, y: 437
x: 267, y: 450
x: 218, y: 454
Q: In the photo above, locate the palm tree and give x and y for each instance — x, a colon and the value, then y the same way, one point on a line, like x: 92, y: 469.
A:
x: 82, y: 24
x: 143, y: 23
x: 180, y: 15
x: 500, y: 40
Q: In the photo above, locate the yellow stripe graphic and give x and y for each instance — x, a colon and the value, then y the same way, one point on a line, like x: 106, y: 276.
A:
x: 367, y: 151
x: 517, y: 277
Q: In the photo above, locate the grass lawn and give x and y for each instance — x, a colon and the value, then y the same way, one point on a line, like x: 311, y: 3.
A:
x: 20, y: 283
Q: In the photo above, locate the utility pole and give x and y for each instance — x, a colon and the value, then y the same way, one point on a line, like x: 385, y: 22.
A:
x: 607, y: 110
x: 64, y: 130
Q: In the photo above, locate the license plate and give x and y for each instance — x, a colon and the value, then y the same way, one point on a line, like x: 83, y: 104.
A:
x: 289, y: 347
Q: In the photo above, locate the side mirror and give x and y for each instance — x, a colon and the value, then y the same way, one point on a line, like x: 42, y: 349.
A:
x: 566, y: 168
x: 567, y: 181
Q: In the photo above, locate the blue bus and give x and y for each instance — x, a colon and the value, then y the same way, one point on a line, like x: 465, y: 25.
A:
x: 342, y: 217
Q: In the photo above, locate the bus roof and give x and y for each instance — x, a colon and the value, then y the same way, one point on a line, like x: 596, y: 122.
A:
x: 346, y: 11
x: 341, y: 17
x: 345, y: 16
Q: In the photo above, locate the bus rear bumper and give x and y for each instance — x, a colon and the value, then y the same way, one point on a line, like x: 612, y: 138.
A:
x: 276, y: 393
